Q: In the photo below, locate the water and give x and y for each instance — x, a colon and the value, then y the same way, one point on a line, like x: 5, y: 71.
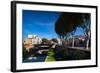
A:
x: 35, y: 59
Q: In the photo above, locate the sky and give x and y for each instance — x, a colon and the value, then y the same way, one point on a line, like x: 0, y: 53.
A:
x: 41, y: 23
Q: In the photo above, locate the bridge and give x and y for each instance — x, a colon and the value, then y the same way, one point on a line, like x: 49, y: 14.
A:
x: 42, y: 48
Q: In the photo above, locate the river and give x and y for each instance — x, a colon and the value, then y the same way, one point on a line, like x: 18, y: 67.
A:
x: 40, y: 58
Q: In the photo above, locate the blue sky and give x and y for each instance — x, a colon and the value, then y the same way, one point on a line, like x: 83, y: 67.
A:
x: 41, y: 23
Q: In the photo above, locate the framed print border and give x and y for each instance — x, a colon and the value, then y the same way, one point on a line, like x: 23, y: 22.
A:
x: 14, y: 35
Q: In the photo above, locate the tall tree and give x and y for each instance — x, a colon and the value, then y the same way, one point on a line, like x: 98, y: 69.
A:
x: 86, y: 27
x: 68, y: 22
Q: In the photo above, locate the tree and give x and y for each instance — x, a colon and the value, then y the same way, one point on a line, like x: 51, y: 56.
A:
x: 45, y: 41
x: 86, y: 28
x: 67, y: 24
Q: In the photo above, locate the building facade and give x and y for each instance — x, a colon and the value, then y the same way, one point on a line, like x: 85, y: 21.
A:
x: 32, y: 40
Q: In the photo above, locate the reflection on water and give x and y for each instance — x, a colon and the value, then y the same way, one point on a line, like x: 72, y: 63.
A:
x: 40, y: 58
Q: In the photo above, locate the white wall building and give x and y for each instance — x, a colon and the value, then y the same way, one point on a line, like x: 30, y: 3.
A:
x: 59, y: 41
x: 35, y: 39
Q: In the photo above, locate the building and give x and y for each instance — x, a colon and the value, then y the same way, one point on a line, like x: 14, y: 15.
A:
x: 59, y: 41
x: 32, y: 40
x: 35, y: 39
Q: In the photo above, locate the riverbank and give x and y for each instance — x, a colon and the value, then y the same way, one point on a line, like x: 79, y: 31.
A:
x: 50, y: 56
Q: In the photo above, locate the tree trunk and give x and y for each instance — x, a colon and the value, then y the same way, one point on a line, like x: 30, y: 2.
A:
x: 73, y: 41
x: 87, y: 44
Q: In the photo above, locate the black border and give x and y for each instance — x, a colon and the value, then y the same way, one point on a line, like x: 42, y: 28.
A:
x: 13, y: 34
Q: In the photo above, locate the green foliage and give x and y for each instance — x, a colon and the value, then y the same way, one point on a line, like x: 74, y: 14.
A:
x: 25, y: 53
x: 50, y: 56
x: 44, y: 40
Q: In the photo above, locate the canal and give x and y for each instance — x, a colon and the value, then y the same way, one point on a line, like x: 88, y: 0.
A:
x: 40, y: 58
